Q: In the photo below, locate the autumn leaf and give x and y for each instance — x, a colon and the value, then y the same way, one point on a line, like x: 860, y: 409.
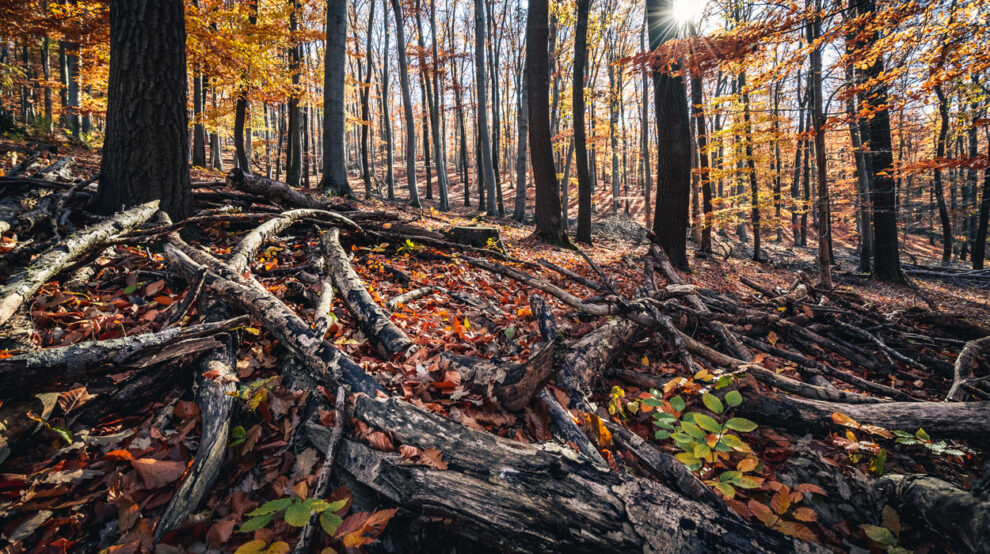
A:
x: 158, y: 473
x: 363, y: 528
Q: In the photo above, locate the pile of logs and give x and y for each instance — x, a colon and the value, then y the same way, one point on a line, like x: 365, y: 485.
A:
x: 498, y: 493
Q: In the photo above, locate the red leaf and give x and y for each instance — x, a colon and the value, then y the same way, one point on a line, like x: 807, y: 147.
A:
x: 158, y: 473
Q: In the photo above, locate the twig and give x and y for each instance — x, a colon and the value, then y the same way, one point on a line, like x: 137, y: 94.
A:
x: 323, y: 483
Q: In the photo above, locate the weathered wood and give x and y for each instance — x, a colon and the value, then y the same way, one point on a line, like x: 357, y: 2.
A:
x: 397, y: 302
x: 371, y: 318
x: 248, y: 247
x: 215, y: 381
x: 581, y: 280
x: 511, y: 496
x: 274, y: 190
x: 954, y: 420
x: 591, y: 354
x: 23, y: 374
x: 974, y: 355
x: 948, y: 510
x: 48, y: 264
x: 514, y: 385
x: 321, y: 357
x: 478, y: 236
x: 826, y: 369
x: 729, y: 339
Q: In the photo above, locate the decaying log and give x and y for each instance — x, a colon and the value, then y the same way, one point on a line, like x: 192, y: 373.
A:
x: 974, y: 355
x: 10, y: 207
x: 953, y: 420
x: 591, y: 354
x: 216, y: 379
x: 512, y: 496
x: 572, y: 275
x: 478, y: 236
x: 514, y: 385
x: 397, y: 302
x: 274, y: 190
x: 23, y: 374
x: 946, y: 509
x: 373, y: 321
x: 323, y: 358
x: 247, y: 249
x: 48, y: 264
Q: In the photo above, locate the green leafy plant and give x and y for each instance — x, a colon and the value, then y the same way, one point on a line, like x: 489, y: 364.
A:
x: 409, y: 246
x: 296, y: 512
x: 706, y: 441
x: 920, y: 437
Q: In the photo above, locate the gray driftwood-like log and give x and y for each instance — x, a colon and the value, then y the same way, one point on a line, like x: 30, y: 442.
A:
x: 24, y: 373
x: 274, y: 190
x: 945, y: 508
x: 974, y: 355
x: 247, y: 249
x: 514, y: 385
x: 511, y: 496
x: 217, y: 377
x: 942, y: 420
x: 373, y: 321
x: 324, y: 358
x: 49, y: 263
x: 397, y: 302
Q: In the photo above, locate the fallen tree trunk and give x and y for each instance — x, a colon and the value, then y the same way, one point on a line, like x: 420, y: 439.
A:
x: 511, y: 496
x: 371, y: 318
x: 960, y: 420
x: 274, y: 190
x: 247, y: 249
x: 946, y: 509
x: 48, y: 264
x: 23, y: 374
x: 215, y: 381
x: 974, y: 355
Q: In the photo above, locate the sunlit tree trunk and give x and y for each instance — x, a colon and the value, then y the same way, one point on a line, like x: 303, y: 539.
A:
x: 522, y: 123
x: 334, y: 179
x: 943, y: 213
x: 818, y: 118
x: 481, y: 84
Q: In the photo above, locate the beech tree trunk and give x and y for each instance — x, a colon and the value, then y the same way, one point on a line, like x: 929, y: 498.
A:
x: 481, y: 85
x: 334, y: 156
x: 943, y: 213
x: 146, y: 146
x: 400, y: 40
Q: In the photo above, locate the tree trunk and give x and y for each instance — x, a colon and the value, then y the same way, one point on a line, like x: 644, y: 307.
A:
x: 645, y: 139
x: 199, y: 131
x: 481, y: 85
x: 698, y: 112
x: 943, y: 213
x: 674, y: 142
x: 400, y: 40
x: 580, y: 137
x: 980, y: 244
x: 818, y: 118
x: 754, y: 191
x: 522, y: 120
x: 146, y: 146
x: 334, y: 156
x: 886, y: 252
x: 549, y: 226
x: 293, y: 164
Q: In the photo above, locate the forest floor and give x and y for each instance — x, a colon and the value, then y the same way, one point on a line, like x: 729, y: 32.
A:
x: 82, y: 474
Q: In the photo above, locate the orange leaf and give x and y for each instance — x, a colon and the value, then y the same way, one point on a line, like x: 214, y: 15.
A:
x: 119, y: 455
x: 805, y: 514
x: 158, y: 473
x: 164, y: 300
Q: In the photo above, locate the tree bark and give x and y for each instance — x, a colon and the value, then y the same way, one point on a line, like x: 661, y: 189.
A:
x: 400, y: 39
x: 580, y: 131
x: 549, y: 226
x: 334, y: 179
x: 146, y: 146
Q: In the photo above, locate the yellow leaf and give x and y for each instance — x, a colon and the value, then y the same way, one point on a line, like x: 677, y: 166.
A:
x: 772, y: 338
x: 645, y: 361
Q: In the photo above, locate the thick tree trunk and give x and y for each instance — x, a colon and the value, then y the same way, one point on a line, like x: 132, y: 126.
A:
x: 146, y: 145
x: 674, y: 141
x: 818, y: 118
x: 199, y: 130
x: 943, y: 213
x: 886, y: 252
x: 980, y: 244
x: 549, y: 226
x: 293, y: 159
